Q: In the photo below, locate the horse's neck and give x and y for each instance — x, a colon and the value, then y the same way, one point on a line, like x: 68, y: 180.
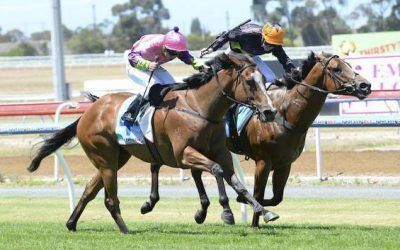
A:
x: 209, y: 99
x: 304, y: 103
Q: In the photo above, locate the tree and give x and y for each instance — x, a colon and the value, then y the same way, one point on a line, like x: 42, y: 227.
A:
x: 314, y: 21
x: 42, y: 35
x: 137, y: 18
x: 198, y: 37
x: 23, y: 49
x: 15, y: 35
x: 377, y: 15
x: 86, y: 40
x: 195, y: 27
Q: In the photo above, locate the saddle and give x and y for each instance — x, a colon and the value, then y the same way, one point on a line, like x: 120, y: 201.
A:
x: 236, y: 120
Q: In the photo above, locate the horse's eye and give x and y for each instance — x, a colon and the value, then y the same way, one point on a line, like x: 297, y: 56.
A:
x: 337, y: 70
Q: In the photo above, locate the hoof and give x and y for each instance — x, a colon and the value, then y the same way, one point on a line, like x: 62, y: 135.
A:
x: 227, y: 217
x: 71, y: 226
x: 146, y: 208
x: 241, y: 199
x: 200, y: 216
x: 270, y: 216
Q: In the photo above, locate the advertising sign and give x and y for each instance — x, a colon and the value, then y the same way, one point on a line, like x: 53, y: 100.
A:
x: 376, y: 43
x: 384, y: 74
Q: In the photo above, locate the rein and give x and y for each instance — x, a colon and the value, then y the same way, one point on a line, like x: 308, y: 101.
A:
x: 348, y: 87
x: 224, y: 94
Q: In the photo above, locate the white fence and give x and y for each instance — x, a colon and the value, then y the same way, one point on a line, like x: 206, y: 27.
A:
x: 117, y: 58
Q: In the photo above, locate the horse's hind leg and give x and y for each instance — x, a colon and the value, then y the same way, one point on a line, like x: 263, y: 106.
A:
x: 91, y: 190
x: 154, y: 195
x: 109, y: 176
x: 279, y: 179
x: 201, y: 214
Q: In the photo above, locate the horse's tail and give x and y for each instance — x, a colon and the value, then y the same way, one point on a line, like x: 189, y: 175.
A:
x: 90, y: 96
x: 53, y: 143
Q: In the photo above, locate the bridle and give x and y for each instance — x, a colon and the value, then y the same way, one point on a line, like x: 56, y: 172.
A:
x: 224, y: 94
x: 347, y: 87
x: 238, y: 74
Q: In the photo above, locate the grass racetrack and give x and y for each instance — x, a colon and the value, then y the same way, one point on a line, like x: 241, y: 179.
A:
x: 38, y: 223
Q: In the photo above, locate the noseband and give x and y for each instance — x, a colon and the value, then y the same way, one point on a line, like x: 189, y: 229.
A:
x: 347, y: 87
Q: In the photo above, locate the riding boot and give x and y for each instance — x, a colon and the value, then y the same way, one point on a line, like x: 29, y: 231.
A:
x: 132, y: 111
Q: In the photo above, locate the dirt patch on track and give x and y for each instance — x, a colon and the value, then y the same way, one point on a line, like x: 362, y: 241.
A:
x: 367, y: 163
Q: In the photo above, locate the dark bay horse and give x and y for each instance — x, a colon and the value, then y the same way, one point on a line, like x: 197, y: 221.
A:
x: 188, y: 132
x: 276, y: 145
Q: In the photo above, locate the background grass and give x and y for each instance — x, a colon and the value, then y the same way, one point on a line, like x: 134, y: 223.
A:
x: 304, y: 224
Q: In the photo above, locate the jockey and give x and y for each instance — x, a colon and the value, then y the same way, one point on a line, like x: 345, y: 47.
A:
x: 148, y: 53
x: 256, y: 40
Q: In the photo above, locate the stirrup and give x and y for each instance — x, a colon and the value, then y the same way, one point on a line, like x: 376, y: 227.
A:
x: 128, y: 117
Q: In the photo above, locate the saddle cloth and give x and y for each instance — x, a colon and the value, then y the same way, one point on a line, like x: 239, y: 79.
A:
x: 237, y: 118
x: 137, y: 132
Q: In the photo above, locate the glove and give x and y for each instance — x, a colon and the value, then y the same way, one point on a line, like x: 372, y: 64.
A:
x: 197, y: 65
x: 295, y: 74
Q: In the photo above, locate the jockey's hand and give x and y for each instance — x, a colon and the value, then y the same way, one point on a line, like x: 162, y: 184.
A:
x: 153, y: 66
x: 296, y: 74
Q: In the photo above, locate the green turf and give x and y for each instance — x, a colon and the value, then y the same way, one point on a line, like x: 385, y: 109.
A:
x: 151, y: 235
x: 38, y: 223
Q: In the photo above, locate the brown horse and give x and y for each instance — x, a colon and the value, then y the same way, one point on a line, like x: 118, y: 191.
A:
x: 276, y: 145
x: 188, y: 132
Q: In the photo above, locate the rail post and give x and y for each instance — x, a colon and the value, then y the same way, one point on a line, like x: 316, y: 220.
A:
x: 239, y: 171
x: 318, y: 153
x: 57, y: 120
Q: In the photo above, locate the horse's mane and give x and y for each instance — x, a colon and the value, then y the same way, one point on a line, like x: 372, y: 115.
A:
x: 306, y: 67
x: 196, y: 80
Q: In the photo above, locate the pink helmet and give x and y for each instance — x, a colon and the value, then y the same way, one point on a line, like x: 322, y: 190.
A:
x: 174, y: 40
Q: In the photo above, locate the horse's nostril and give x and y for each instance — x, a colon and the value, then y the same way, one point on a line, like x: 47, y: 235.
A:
x: 365, y: 86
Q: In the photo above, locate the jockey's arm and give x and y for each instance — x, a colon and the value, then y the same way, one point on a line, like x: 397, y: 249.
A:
x: 187, y: 58
x: 136, y: 61
x: 283, y: 58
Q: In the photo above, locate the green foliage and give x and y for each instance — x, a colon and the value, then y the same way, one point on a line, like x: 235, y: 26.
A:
x: 195, y: 27
x: 23, y: 49
x: 86, y: 40
x: 43, y: 35
x: 197, y: 42
x: 136, y: 18
x: 314, y: 21
x: 378, y: 20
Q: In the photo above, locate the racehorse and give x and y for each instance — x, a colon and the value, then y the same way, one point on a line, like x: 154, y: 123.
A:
x: 276, y: 145
x: 188, y: 132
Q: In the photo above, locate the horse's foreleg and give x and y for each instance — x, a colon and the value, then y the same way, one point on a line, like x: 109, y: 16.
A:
x: 201, y: 214
x: 154, y: 195
x: 195, y: 160
x: 262, y: 170
x: 241, y: 190
x: 279, y: 180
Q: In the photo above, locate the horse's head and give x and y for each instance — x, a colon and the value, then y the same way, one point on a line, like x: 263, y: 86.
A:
x: 247, y: 86
x: 340, y: 78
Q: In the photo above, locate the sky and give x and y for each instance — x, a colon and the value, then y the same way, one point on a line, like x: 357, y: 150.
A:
x: 36, y: 15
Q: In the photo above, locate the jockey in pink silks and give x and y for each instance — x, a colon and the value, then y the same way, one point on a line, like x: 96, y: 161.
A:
x: 146, y: 56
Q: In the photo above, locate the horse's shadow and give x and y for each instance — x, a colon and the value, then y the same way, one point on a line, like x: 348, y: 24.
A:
x: 239, y: 230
